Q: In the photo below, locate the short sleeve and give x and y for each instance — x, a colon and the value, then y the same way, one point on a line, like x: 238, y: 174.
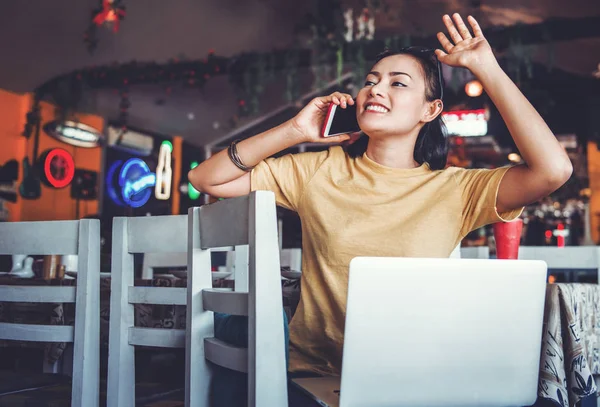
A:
x: 479, y: 193
x: 287, y: 176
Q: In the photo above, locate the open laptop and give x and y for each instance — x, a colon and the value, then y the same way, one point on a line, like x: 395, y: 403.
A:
x: 439, y: 332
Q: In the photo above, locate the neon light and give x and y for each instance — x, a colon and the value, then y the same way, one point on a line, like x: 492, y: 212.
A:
x: 135, y: 180
x: 164, y: 174
x: 468, y: 123
x: 77, y: 134
x: 63, y: 161
x: 131, y: 189
x: 193, y: 193
x: 112, y: 192
x: 74, y: 133
x: 168, y: 144
x: 561, y: 233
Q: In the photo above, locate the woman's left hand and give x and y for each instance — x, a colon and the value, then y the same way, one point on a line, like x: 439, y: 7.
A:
x: 465, y: 50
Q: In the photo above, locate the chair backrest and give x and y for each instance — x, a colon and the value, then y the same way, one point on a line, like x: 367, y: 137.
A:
x: 477, y: 252
x: 155, y: 260
x: 163, y: 235
x: 237, y: 263
x: 455, y: 253
x: 249, y: 220
x: 62, y: 238
x: 292, y: 258
x: 569, y: 257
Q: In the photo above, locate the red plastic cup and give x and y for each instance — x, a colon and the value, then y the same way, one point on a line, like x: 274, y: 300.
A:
x: 508, y: 238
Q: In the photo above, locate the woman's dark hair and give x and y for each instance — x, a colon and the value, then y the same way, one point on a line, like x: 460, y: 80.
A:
x: 432, y: 142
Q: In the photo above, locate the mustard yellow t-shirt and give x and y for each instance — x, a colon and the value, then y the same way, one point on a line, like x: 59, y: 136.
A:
x: 357, y: 207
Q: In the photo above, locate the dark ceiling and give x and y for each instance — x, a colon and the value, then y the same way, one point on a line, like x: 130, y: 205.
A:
x: 41, y: 39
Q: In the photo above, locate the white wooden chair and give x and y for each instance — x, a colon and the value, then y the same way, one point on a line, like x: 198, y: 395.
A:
x: 569, y: 257
x: 156, y: 234
x: 237, y: 264
x: 478, y: 252
x: 249, y: 220
x: 156, y: 260
x: 62, y: 238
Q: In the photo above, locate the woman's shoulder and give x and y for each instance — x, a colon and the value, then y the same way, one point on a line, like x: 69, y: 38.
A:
x: 472, y: 175
x: 320, y: 156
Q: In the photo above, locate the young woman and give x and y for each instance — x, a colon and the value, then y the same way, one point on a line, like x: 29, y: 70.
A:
x: 389, y: 193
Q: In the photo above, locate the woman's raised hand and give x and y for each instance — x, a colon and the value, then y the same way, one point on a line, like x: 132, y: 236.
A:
x: 464, y: 49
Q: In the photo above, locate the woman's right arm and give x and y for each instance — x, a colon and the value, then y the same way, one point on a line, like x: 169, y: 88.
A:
x: 220, y: 177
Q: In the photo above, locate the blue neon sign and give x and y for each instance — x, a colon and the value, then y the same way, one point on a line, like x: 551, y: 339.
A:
x: 135, y: 183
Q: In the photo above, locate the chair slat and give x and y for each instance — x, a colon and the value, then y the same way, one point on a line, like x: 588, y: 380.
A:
x: 570, y: 257
x: 213, y: 218
x: 226, y: 302
x: 39, y: 238
x: 36, y: 333
x: 37, y: 294
x: 160, y: 338
x: 158, y: 295
x: 157, y: 234
x: 226, y: 355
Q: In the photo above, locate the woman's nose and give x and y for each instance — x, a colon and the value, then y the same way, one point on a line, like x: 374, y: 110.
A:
x: 376, y: 90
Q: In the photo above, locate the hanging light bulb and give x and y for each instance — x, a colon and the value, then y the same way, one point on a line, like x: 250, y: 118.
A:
x: 474, y: 88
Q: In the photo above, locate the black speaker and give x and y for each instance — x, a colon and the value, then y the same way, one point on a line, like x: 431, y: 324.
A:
x: 9, y: 172
x: 84, y: 185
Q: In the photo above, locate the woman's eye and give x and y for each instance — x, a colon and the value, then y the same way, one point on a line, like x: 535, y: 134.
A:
x: 399, y: 84
x: 369, y: 83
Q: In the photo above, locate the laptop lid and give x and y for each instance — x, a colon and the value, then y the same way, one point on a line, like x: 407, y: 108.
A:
x: 442, y: 332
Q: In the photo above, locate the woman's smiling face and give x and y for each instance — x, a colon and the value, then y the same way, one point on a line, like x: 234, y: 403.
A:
x: 392, y: 100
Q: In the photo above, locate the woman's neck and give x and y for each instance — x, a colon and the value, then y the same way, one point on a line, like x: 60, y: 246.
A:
x: 393, y: 152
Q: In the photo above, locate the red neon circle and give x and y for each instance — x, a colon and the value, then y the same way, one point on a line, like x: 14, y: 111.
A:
x: 69, y: 168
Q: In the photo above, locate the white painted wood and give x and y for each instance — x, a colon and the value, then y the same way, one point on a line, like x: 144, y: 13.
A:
x: 455, y: 253
x: 241, y: 256
x: 226, y: 355
x: 155, y: 260
x: 267, y: 380
x: 157, y: 234
x: 41, y: 238
x: 222, y: 249
x: 478, y: 252
x: 81, y: 238
x: 163, y: 239
x: 36, y: 333
x: 569, y: 257
x: 233, y: 303
x: 291, y: 258
x: 121, y: 368
x: 224, y: 223
x: 160, y: 338
x: 200, y: 322
x: 86, y: 348
x: 158, y: 295
x: 37, y: 294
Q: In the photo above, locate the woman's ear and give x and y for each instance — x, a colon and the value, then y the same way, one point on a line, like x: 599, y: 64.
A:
x: 433, y: 110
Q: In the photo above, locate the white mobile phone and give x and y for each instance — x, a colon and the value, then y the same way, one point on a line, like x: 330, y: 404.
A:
x: 340, y: 121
